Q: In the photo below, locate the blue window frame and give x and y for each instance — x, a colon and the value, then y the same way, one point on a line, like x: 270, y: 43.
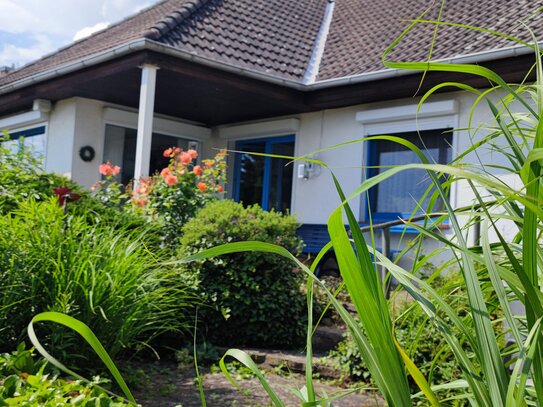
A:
x: 400, y: 195
x: 264, y: 180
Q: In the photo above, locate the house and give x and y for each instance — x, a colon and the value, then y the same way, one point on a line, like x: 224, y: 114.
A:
x: 275, y: 76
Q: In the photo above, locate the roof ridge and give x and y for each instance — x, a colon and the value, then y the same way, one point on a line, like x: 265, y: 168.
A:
x: 172, y: 20
x: 314, y: 63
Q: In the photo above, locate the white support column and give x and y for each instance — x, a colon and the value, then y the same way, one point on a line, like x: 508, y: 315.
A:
x: 145, y: 120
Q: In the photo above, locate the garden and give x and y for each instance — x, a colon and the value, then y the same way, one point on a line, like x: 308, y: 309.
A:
x: 98, y: 285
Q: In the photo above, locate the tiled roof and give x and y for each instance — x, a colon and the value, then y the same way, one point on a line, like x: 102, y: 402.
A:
x: 362, y: 29
x: 278, y: 37
x: 127, y: 30
x: 272, y: 36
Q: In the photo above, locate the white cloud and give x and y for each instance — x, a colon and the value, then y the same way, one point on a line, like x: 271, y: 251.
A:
x: 20, y: 55
x: 59, y: 22
x: 85, y: 32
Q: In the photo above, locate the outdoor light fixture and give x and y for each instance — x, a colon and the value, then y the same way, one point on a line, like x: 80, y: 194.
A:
x: 307, y: 170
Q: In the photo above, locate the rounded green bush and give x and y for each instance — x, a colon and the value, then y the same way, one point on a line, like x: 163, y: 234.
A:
x: 251, y: 298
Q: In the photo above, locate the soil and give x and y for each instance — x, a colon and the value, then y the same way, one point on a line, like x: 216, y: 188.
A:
x: 166, y: 386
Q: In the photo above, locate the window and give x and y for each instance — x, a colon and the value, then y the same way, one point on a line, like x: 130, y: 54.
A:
x: 120, y: 149
x: 264, y: 180
x: 31, y: 139
x: 399, y: 195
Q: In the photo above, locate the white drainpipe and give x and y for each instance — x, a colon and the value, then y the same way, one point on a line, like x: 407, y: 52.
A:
x: 145, y: 120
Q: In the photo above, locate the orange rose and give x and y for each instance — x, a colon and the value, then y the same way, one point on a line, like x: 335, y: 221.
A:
x: 168, y: 152
x: 197, y: 170
x: 165, y: 172
x: 193, y: 154
x: 170, y: 179
x: 116, y: 170
x: 220, y: 188
x: 185, y: 158
x: 105, y: 169
x: 202, y: 186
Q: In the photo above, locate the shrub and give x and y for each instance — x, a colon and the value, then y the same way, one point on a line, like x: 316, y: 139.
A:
x: 22, y: 177
x: 103, y: 275
x: 253, y: 299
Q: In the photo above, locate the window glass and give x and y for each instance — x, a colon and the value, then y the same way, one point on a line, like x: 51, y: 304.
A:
x: 33, y: 140
x: 402, y: 193
x: 120, y: 149
x: 264, y: 180
x: 251, y: 174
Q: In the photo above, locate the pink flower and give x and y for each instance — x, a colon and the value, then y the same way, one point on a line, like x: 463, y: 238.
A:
x: 165, y: 172
x: 202, y: 186
x: 197, y: 170
x: 108, y: 169
x: 185, y: 158
x: 170, y: 179
x: 105, y: 169
x: 168, y: 152
x: 193, y: 154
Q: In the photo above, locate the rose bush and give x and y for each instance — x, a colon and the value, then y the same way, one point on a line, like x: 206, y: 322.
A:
x: 171, y: 197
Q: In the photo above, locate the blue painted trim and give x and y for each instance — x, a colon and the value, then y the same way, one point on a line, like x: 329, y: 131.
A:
x: 268, y: 143
x: 36, y: 131
x: 382, y: 217
x: 267, y: 179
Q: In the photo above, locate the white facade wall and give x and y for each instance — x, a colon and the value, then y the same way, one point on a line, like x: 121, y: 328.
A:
x: 79, y: 122
x: 315, y: 198
x: 60, y: 138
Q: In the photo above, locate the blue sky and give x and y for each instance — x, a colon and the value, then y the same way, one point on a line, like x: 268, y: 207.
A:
x: 30, y: 29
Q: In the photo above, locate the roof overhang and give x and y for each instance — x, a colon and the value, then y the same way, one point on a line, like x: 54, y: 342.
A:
x: 206, y: 91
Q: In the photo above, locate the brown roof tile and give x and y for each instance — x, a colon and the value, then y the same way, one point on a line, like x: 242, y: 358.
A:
x: 278, y: 36
x: 362, y: 29
x: 272, y: 36
x: 125, y: 31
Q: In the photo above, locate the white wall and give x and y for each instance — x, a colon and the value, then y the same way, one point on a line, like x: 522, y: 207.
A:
x: 79, y: 122
x: 89, y: 131
x: 60, y: 137
x: 315, y: 198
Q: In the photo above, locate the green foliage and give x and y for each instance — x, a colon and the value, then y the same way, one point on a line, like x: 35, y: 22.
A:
x: 253, y: 299
x: 22, y: 177
x: 25, y: 381
x: 423, y: 342
x: 103, y: 275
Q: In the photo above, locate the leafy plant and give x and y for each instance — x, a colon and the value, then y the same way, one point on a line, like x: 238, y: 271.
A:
x: 511, y: 267
x: 26, y: 381
x: 22, y: 177
x: 251, y: 299
x: 101, y: 274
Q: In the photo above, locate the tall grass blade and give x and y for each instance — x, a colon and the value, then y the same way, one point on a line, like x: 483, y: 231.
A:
x: 515, y: 392
x: 88, y: 335
x: 245, y: 359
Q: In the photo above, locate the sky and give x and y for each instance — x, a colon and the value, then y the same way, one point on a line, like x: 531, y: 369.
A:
x: 30, y: 29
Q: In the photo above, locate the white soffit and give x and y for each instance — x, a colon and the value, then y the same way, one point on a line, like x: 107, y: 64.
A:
x: 161, y: 125
x: 432, y: 109
x: 269, y: 128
